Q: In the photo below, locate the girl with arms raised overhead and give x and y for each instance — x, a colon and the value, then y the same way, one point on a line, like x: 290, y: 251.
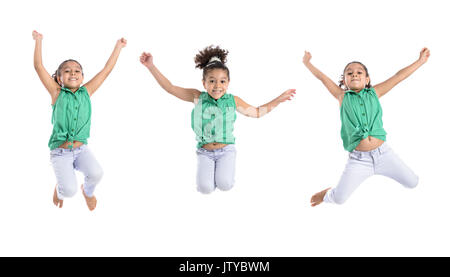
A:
x: 362, y: 129
x: 71, y: 121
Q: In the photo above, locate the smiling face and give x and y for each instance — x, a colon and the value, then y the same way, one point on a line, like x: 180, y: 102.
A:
x: 355, y: 77
x: 70, y: 75
x: 216, y: 83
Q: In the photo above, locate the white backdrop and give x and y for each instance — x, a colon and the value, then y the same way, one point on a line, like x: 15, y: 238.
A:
x: 147, y: 201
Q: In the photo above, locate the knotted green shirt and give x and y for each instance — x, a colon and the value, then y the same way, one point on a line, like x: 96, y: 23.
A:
x: 213, y: 120
x: 71, y: 117
x: 361, y: 117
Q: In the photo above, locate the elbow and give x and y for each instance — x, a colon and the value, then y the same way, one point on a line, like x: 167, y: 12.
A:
x: 37, y: 65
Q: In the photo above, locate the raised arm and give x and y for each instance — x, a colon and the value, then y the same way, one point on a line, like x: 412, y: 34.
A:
x: 186, y: 94
x: 382, y: 88
x: 98, y: 79
x: 49, y: 83
x: 334, y: 89
x: 248, y: 110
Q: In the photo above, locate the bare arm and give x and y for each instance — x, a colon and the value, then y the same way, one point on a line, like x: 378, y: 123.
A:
x: 98, y: 79
x: 49, y: 83
x: 250, y: 111
x: 382, y: 88
x: 186, y: 94
x: 334, y: 89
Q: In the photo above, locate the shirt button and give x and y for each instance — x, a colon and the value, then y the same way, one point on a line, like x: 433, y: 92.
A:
x: 363, y: 114
x: 75, y: 119
x: 362, y: 104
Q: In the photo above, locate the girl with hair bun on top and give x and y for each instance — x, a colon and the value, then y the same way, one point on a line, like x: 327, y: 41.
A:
x: 213, y: 116
x: 362, y: 129
x: 71, y: 119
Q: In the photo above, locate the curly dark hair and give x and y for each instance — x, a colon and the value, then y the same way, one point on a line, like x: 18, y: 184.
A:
x: 341, y: 81
x: 58, y: 71
x: 202, y: 60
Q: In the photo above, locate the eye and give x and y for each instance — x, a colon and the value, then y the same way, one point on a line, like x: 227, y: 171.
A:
x: 349, y: 73
x: 223, y: 81
x: 211, y: 81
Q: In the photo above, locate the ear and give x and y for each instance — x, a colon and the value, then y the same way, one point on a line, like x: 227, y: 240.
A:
x: 59, y: 80
x: 204, y: 83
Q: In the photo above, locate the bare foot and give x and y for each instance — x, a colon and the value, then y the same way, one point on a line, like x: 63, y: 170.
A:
x: 317, y: 198
x: 56, y: 201
x: 90, y: 201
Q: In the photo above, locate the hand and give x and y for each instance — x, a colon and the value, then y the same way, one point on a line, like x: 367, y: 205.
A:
x: 121, y: 43
x: 37, y: 36
x: 287, y: 95
x: 147, y: 59
x: 306, y: 57
x: 424, y: 54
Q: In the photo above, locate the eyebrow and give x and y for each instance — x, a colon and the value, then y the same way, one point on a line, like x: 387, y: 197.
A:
x: 223, y: 78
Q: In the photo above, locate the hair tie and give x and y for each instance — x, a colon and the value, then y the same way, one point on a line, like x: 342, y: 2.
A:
x: 213, y: 60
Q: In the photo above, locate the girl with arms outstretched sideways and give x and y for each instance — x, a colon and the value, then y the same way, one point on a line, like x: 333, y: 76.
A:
x: 71, y: 121
x: 362, y: 129
x: 213, y: 116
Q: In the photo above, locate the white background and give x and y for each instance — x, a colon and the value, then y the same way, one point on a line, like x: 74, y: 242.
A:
x: 147, y: 201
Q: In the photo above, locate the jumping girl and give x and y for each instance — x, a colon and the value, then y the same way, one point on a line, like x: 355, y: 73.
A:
x: 71, y: 121
x: 362, y: 129
x: 213, y: 116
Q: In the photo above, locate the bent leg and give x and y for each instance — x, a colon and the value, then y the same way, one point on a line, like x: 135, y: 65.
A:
x: 390, y: 165
x: 226, y: 168
x: 62, y: 163
x: 358, y: 168
x: 205, y: 172
x: 91, y: 169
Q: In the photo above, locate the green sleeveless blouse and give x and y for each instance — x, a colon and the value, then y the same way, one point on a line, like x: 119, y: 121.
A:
x: 361, y: 116
x: 71, y: 117
x: 213, y: 120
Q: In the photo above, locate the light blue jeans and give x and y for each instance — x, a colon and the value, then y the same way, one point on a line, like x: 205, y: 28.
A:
x: 216, y: 168
x: 65, y: 161
x: 361, y: 165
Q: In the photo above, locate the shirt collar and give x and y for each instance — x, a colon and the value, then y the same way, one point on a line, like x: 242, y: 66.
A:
x: 208, y: 97
x: 69, y: 91
x: 363, y: 91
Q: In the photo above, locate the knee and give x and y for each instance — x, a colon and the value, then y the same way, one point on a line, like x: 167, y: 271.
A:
x: 412, y: 183
x: 224, y: 184
x: 205, y: 187
x: 67, y: 189
x: 95, y: 176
